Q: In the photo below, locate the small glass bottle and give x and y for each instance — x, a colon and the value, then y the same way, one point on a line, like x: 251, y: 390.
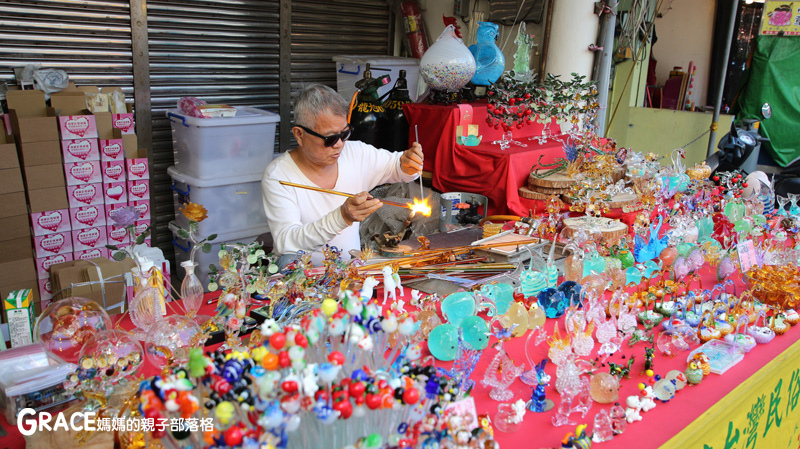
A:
x: 146, y: 306
x: 191, y: 290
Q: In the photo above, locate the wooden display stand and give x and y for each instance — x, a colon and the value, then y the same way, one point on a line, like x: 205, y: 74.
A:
x: 610, y: 230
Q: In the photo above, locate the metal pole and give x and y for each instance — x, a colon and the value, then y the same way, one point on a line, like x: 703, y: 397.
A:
x: 604, y: 72
x: 712, y: 139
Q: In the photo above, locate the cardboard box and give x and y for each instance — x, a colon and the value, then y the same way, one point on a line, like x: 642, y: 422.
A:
x: 52, y: 244
x: 31, y: 119
x: 13, y: 205
x: 40, y: 153
x: 105, y: 129
x: 44, y: 176
x: 118, y: 236
x: 17, y: 271
x: 139, y: 190
x: 110, y: 209
x: 43, y: 265
x: 13, y: 250
x: 87, y: 172
x: 48, y: 222
x: 77, y: 126
x: 70, y: 101
x: 80, y: 150
x: 137, y: 169
x: 52, y: 198
x: 64, y: 276
x: 140, y: 226
x: 113, y: 171
x: 89, y: 238
x: 112, y: 150
x: 115, y: 193
x: 85, y: 195
x: 16, y: 227
x: 92, y: 254
x: 8, y: 152
x: 87, y: 216
x: 45, y: 294
x: 131, y: 146
x: 11, y: 181
x: 124, y: 122
x: 20, y: 316
x: 143, y: 207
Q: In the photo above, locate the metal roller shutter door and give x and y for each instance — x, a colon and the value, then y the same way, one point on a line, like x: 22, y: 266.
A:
x: 223, y: 51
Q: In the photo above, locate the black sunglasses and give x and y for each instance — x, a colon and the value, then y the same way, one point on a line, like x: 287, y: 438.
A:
x: 331, y: 140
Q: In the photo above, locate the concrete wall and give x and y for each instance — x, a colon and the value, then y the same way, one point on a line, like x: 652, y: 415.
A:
x: 685, y: 33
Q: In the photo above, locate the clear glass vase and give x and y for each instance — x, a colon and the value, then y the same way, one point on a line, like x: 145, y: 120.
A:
x: 147, y: 305
x: 191, y: 290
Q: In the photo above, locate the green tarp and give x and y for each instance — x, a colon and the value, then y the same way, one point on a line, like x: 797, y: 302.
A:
x: 774, y: 78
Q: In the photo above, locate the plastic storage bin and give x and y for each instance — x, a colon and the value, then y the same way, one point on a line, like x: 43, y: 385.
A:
x: 183, y: 247
x: 233, y: 203
x: 225, y: 146
x: 350, y: 68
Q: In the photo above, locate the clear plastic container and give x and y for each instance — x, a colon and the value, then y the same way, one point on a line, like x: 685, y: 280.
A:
x: 211, y: 148
x: 233, y: 203
x: 32, y: 377
x: 183, y: 247
x: 350, y: 68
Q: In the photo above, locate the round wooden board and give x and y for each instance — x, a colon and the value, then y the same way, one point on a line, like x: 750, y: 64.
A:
x: 617, y: 202
x: 554, y: 181
x: 618, y: 173
x: 611, y: 230
x: 531, y: 195
x: 548, y: 191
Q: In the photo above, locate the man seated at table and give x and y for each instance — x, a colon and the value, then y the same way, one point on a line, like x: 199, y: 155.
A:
x: 301, y: 219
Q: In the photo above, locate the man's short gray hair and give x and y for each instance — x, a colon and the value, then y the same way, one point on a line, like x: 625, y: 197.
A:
x: 315, y: 100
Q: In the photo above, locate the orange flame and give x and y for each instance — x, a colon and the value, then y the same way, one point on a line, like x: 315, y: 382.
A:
x: 421, y: 207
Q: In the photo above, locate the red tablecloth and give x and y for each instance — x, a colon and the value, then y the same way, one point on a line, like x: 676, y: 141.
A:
x: 537, y: 431
x: 484, y: 169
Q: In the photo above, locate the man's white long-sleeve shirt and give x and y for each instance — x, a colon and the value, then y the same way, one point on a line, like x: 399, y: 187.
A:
x: 301, y: 219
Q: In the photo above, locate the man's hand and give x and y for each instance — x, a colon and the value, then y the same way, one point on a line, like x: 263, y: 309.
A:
x: 411, y: 160
x: 359, y: 207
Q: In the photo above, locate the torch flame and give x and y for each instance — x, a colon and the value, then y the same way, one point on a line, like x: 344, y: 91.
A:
x: 421, y: 207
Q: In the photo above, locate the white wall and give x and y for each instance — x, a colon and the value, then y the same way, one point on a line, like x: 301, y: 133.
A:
x: 685, y: 33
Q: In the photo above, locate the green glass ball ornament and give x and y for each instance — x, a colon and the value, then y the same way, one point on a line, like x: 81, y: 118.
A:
x: 475, y: 332
x: 443, y: 342
x: 458, y: 306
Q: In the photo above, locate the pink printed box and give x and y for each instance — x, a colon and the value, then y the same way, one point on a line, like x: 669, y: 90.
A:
x: 45, y: 292
x: 139, y: 190
x: 52, y: 244
x: 143, y: 207
x: 89, y: 238
x: 87, y: 216
x: 77, y: 127
x: 85, y: 195
x: 115, y: 193
x: 43, y: 265
x: 111, y: 150
x: 118, y: 236
x: 92, y: 254
x: 140, y: 226
x: 113, y: 171
x: 80, y: 150
x: 48, y: 222
x: 87, y: 172
x: 123, y: 122
x: 137, y: 169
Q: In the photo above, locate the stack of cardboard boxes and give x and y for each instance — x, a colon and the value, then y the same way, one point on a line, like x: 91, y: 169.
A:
x: 64, y: 172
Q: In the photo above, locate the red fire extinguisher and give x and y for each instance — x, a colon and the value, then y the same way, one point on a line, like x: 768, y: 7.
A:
x: 415, y: 28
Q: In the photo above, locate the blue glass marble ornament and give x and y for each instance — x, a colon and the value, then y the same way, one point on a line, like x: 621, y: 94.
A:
x: 489, y: 59
x: 458, y: 306
x: 553, y: 302
x: 443, y: 342
x: 572, y: 293
x: 475, y: 332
